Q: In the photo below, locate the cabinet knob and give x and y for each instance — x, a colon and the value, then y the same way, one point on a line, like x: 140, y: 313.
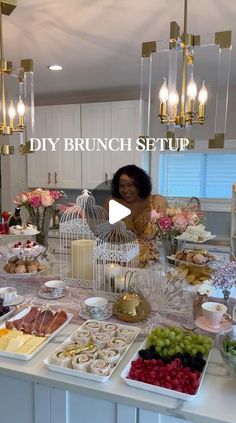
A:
x: 55, y: 177
x: 49, y: 178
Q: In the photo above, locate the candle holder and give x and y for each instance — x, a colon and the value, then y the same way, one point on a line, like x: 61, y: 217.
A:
x: 116, y: 251
x: 80, y: 223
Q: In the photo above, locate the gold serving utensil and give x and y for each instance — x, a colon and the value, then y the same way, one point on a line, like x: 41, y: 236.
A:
x: 70, y: 351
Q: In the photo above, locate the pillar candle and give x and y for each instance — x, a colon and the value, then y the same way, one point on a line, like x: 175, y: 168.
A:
x: 119, y: 284
x: 82, y: 259
x: 112, y: 272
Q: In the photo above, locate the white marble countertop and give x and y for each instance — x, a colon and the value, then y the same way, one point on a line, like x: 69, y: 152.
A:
x: 215, y: 403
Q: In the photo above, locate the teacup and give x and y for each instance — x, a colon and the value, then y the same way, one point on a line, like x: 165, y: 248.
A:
x: 8, y: 294
x: 214, y: 313
x: 96, y: 306
x: 54, y: 287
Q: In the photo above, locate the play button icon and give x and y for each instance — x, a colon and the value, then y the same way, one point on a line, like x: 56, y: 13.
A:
x: 117, y: 212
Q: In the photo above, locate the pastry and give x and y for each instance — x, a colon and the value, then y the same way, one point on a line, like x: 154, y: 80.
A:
x: 100, y: 339
x: 110, y: 329
x: 83, y: 361
x: 93, y: 325
x: 32, y: 268
x: 82, y: 336
x: 110, y: 354
x: 127, y: 334
x: 60, y: 359
x: 118, y: 344
x: 20, y: 268
x: 100, y: 367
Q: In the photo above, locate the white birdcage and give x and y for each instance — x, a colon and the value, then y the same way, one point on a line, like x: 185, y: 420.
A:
x: 78, y: 228
x: 116, y: 251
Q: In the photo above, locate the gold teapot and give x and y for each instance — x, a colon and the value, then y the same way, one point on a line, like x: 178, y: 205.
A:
x: 132, y: 306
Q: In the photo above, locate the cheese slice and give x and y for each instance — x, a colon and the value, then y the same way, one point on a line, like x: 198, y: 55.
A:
x: 31, y: 345
x: 15, y: 343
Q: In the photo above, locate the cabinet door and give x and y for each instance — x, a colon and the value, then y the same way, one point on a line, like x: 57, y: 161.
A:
x: 40, y: 163
x: 126, y: 124
x: 59, y: 168
x: 67, y: 171
x: 95, y: 124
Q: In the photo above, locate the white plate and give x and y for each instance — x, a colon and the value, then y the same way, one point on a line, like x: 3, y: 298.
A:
x: 85, y: 375
x: 190, y: 262
x: 195, y: 242
x: 6, y: 315
x: 19, y: 233
x: 159, y: 389
x: 47, y: 340
x: 201, y: 324
x: 86, y: 316
x: 48, y: 296
x: 18, y: 300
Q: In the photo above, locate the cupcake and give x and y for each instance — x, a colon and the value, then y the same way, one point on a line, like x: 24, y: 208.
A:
x: 110, y: 354
x: 117, y: 344
x: 93, y: 326
x: 100, y: 367
x: 126, y: 333
x: 110, y: 329
x: 100, y: 339
x: 82, y: 362
x: 82, y: 336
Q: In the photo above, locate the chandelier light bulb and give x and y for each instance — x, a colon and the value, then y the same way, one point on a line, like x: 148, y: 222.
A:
x: 11, y: 111
x: 192, y: 89
x: 173, y: 98
x: 20, y: 107
x: 163, y: 93
x: 203, y: 95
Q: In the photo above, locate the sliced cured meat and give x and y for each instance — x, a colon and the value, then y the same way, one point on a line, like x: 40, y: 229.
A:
x: 59, y: 318
x: 17, y: 323
x: 45, y: 317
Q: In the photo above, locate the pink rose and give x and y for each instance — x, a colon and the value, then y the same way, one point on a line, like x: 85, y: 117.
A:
x: 55, y: 195
x: 35, y: 201
x: 24, y: 197
x: 165, y: 223
x: 47, y: 199
x: 154, y: 216
x: 17, y: 200
x: 180, y: 223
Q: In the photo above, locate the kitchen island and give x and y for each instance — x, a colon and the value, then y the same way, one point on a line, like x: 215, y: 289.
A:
x: 30, y: 393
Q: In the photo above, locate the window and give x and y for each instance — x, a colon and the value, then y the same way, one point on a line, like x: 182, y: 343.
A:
x: 204, y: 175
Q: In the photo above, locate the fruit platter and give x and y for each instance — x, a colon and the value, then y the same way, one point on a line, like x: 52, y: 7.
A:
x: 171, y: 362
x: 29, y: 331
x: 93, y: 351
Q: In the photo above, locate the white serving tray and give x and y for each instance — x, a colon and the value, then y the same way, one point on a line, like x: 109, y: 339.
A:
x: 47, y: 340
x: 195, y: 242
x: 86, y: 375
x: 159, y: 389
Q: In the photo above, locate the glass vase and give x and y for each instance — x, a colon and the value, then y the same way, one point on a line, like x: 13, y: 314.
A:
x: 41, y: 219
x: 226, y: 295
x: 198, y: 300
x: 170, y: 246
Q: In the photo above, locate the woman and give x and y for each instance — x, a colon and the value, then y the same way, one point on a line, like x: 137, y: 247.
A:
x: 131, y: 186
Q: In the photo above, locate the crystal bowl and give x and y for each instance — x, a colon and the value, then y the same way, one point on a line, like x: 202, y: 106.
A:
x: 226, y: 343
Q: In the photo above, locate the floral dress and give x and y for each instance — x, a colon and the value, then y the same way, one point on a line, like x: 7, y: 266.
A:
x: 146, y: 230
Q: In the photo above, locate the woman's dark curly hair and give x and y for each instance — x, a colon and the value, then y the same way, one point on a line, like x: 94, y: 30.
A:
x: 141, y: 179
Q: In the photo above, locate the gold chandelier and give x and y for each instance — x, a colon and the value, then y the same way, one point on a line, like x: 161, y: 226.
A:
x: 185, y: 114
x: 14, y: 118
x: 181, y: 103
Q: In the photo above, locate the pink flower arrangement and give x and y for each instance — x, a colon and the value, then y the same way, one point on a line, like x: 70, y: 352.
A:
x: 175, y: 221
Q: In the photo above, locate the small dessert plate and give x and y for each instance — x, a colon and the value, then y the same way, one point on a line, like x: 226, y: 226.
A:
x: 83, y: 313
x: 200, y: 322
x: 48, y: 296
x: 18, y: 300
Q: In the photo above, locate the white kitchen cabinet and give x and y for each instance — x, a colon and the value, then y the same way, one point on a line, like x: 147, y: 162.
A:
x: 59, y: 168
x: 119, y: 119
x: 233, y: 223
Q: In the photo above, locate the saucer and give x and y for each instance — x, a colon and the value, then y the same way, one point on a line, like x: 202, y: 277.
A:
x: 83, y: 313
x: 48, y: 296
x: 201, y: 323
x: 18, y: 300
